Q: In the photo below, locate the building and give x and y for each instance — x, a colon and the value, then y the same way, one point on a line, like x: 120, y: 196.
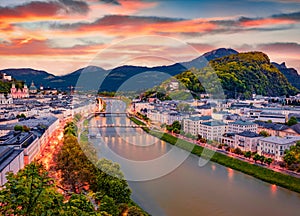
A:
x: 11, y: 160
x: 247, y: 141
x: 220, y: 115
x: 173, y: 85
x: 281, y: 130
x: 192, y: 125
x: 240, y: 126
x: 6, y: 77
x: 19, y: 93
x: 275, y: 146
x: 32, y: 88
x: 5, y: 99
x: 212, y: 130
x: 228, y: 139
x: 274, y: 117
x: 26, y: 141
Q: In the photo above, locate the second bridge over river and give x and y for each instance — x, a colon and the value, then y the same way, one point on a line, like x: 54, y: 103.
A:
x: 117, y: 125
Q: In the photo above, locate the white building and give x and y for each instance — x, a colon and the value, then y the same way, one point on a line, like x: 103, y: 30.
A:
x: 6, y: 77
x: 274, y: 146
x: 274, y: 117
x: 11, y: 160
x: 6, y: 99
x: 220, y: 115
x: 192, y: 125
x: 247, y: 141
x: 240, y: 126
x: 212, y: 130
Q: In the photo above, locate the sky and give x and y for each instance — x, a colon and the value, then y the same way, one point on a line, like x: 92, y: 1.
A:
x: 61, y: 36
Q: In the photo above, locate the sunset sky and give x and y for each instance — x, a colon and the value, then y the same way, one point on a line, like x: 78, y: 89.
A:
x: 60, y: 36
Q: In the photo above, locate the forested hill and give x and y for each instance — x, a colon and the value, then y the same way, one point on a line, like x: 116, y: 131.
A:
x: 243, y: 74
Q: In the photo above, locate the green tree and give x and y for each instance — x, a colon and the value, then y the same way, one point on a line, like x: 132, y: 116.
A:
x: 176, y: 124
x: 256, y: 157
x: 18, y: 128
x: 30, y: 192
x: 238, y: 151
x: 135, y: 211
x: 77, y: 170
x: 269, y: 161
x: 108, y: 205
x: 22, y: 115
x: 264, y: 133
x: 262, y: 159
x: 289, y: 158
x: 292, y: 121
x: 78, y: 204
x: 110, y: 181
x: 248, y: 154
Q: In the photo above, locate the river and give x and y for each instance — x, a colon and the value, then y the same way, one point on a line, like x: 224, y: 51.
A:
x: 186, y: 188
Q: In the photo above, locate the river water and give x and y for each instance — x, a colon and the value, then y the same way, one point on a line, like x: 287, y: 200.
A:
x: 185, y: 188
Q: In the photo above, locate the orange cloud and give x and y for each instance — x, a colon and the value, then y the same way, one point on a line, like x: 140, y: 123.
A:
x: 117, y: 25
x: 122, y: 7
x: 267, y: 21
x: 33, y: 47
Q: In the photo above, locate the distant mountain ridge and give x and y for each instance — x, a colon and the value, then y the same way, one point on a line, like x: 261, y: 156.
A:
x: 290, y: 73
x: 111, y: 80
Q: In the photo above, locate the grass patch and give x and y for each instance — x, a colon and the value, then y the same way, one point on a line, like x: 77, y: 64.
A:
x: 270, y: 176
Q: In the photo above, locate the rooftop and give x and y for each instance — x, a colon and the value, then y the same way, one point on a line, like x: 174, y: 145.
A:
x: 241, y: 122
x: 199, y: 118
x: 7, y: 154
x: 280, y: 140
x: 273, y: 126
x: 214, y: 123
x: 249, y: 134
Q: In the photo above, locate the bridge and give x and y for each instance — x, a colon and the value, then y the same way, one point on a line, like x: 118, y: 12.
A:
x: 117, y: 125
x: 110, y: 113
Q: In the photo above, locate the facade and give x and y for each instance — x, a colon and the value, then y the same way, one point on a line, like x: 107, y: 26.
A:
x: 19, y: 93
x: 192, y: 125
x: 173, y: 85
x: 212, y: 130
x: 274, y: 117
x: 240, y: 126
x: 11, y: 160
x: 275, y: 146
x: 228, y: 139
x: 6, y: 99
x: 167, y: 117
x: 247, y: 141
x: 220, y: 115
x: 278, y: 129
x: 26, y: 141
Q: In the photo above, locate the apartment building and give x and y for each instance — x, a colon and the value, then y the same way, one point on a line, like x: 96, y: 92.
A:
x: 192, y: 125
x: 275, y: 146
x: 212, y: 130
x: 241, y: 126
x: 247, y: 141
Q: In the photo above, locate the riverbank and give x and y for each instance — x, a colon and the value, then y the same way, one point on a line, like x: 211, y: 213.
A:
x: 270, y: 176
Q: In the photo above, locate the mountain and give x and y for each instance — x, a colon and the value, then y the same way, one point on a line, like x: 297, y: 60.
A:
x: 290, y: 73
x: 28, y: 75
x: 241, y: 75
x: 112, y: 80
x: 135, y: 78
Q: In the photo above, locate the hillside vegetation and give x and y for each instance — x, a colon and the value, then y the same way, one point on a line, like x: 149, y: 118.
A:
x: 240, y: 75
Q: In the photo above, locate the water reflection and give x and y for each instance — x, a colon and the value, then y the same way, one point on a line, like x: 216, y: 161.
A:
x: 192, y: 190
